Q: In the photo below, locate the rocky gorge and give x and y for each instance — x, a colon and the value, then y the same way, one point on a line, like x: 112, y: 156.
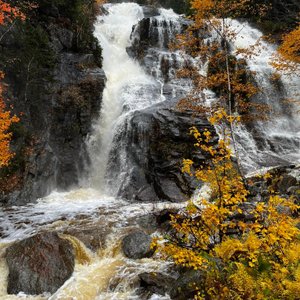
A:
x: 99, y: 150
x: 57, y: 88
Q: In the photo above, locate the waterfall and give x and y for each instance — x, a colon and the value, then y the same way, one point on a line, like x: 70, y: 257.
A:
x: 143, y: 84
x: 128, y: 87
x: 275, y: 141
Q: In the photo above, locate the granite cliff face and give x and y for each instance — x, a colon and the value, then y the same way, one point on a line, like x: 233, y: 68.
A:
x: 55, y: 85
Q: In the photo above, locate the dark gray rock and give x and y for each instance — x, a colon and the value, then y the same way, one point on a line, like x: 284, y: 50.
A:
x: 57, y: 125
x: 158, y: 221
x: 286, y: 182
x: 136, y: 245
x: 184, y: 287
x: 39, y: 264
x: 163, y: 218
x: 148, y: 223
x: 156, y: 283
x: 283, y: 179
x: 60, y: 125
x: 151, y: 32
x: 93, y: 236
x: 62, y: 38
x: 156, y: 140
x: 150, y: 11
x: 55, y: 86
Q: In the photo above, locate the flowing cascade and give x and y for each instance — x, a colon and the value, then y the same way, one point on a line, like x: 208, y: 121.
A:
x: 276, y: 141
x: 130, y: 160
x: 141, y: 70
x: 131, y: 85
x: 128, y: 87
x: 141, y: 78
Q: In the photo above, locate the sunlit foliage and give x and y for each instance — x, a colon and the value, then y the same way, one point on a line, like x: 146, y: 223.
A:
x: 243, y: 251
x: 288, y: 59
x: 209, y: 38
x: 290, y: 48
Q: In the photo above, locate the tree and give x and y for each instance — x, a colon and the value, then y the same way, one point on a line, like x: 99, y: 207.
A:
x: 210, y: 38
x: 241, y: 253
x: 7, y: 13
x: 243, y: 249
x: 288, y: 58
x: 6, y: 120
x: 290, y: 48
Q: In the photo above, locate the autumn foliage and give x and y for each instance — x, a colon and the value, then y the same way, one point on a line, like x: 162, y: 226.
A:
x: 5, y: 136
x: 243, y: 250
x: 288, y: 58
x: 290, y: 48
x: 7, y: 14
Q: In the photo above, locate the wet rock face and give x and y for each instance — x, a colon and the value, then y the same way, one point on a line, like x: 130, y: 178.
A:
x: 183, y: 287
x: 57, y: 110
x: 136, y: 245
x: 179, y: 283
x: 39, y: 264
x: 92, y: 236
x: 156, y: 283
x: 154, y: 32
x: 284, y: 179
x: 156, y: 140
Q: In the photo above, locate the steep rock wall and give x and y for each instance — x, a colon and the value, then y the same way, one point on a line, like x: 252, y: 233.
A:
x: 154, y: 143
x: 55, y: 83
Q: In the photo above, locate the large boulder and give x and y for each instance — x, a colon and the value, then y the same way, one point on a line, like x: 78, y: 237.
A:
x: 184, y: 287
x: 39, y: 264
x: 181, y: 285
x: 160, y: 220
x: 156, y: 283
x: 156, y: 140
x: 137, y: 245
x: 93, y: 236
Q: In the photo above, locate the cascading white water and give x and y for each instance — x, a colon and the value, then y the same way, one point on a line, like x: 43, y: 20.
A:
x: 280, y: 134
x: 167, y: 24
x: 276, y: 141
x: 128, y: 87
x: 161, y: 62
